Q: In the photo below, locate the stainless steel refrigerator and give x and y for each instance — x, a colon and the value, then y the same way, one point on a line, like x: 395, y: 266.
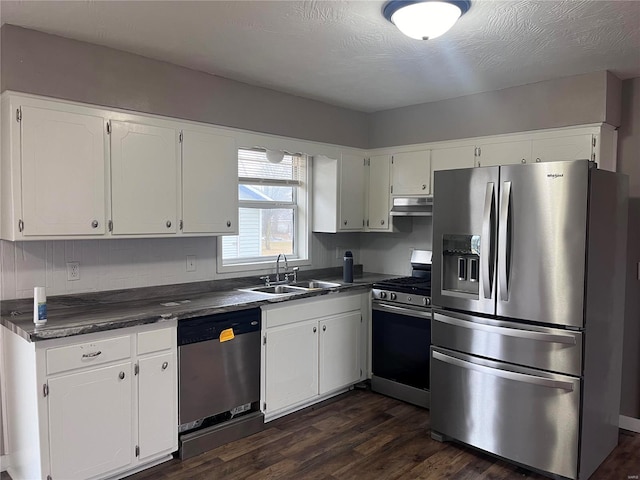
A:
x: 528, y: 294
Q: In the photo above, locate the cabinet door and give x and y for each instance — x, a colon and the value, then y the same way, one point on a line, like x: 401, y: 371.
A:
x: 351, y: 193
x: 158, y: 405
x: 340, y: 344
x: 410, y: 173
x: 144, y: 176
x: 378, y: 204
x: 507, y: 153
x: 573, y: 147
x: 63, y: 173
x: 90, y: 422
x: 451, y: 158
x: 291, y: 364
x: 209, y: 183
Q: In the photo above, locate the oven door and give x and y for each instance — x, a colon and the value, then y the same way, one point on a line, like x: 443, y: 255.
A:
x: 401, y: 337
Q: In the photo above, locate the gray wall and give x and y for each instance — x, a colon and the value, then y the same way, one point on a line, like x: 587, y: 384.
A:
x: 43, y: 64
x: 575, y: 100
x: 629, y: 163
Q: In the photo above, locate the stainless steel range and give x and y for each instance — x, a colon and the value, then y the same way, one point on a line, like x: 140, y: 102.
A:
x: 401, y: 333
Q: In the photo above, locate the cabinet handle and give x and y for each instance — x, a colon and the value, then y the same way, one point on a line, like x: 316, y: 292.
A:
x: 523, y: 160
x: 228, y: 223
x: 424, y: 187
x: 538, y: 160
x: 381, y: 222
x: 168, y: 223
x: 345, y: 222
x: 165, y: 365
x: 315, y: 329
x: 121, y: 376
x: 324, y: 328
x: 92, y: 354
x: 94, y: 224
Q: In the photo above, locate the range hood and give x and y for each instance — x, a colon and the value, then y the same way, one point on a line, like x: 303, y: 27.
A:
x: 412, y: 206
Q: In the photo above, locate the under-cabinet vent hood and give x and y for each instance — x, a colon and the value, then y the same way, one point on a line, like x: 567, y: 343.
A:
x: 412, y: 206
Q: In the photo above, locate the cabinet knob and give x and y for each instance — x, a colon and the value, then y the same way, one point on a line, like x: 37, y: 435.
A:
x: 228, y: 223
x: 324, y: 328
x: 165, y: 365
x: 538, y: 160
x: 94, y: 224
x: 523, y: 160
x: 168, y: 223
x: 424, y: 187
x: 121, y: 376
x: 345, y: 222
x: 381, y: 222
x: 315, y: 329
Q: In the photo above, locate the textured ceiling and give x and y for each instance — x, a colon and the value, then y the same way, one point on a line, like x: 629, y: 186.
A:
x: 345, y: 53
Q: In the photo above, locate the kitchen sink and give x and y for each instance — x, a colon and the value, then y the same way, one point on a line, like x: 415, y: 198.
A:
x: 276, y: 289
x: 314, y: 284
x: 291, y: 288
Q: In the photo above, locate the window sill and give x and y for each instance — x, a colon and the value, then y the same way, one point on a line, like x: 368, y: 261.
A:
x: 261, y: 266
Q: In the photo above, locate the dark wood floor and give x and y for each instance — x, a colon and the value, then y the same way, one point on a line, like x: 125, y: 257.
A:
x: 363, y: 435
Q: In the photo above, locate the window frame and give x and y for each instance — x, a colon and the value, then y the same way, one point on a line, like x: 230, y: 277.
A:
x: 302, y: 223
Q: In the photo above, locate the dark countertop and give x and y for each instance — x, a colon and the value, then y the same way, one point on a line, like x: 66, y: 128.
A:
x: 70, y: 315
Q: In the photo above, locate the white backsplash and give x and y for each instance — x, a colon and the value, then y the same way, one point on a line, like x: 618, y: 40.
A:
x: 391, y: 252
x: 131, y: 263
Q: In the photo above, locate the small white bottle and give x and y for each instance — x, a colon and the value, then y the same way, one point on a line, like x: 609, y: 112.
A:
x: 39, y: 306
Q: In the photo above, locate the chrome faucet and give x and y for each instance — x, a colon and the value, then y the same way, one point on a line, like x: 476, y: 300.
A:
x: 286, y: 265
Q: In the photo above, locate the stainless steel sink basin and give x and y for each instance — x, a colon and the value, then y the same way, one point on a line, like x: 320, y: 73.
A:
x: 291, y: 289
x: 313, y: 284
x: 276, y: 289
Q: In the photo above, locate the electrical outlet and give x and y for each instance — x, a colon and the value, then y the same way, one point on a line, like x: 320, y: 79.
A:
x: 73, y: 271
x: 191, y: 263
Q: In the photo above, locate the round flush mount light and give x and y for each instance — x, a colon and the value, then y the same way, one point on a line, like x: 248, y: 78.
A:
x: 426, y: 19
x: 275, y: 156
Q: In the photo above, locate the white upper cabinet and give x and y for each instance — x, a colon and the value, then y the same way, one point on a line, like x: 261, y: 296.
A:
x: 63, y: 173
x: 410, y: 173
x: 209, y: 183
x: 503, y: 153
x: 378, y: 218
x: 451, y: 158
x: 338, y: 194
x: 573, y: 147
x: 144, y: 178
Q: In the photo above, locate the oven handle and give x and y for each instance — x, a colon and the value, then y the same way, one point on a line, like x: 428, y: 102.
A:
x: 518, y: 377
x: 384, y: 307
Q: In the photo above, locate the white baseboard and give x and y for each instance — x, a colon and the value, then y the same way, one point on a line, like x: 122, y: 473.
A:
x: 4, y: 463
x: 630, y: 423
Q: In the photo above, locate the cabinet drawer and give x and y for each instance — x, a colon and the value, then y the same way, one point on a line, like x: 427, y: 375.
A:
x: 155, y: 340
x: 87, y: 354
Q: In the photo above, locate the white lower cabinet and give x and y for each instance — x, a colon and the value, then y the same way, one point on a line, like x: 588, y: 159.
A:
x: 340, y: 348
x: 92, y: 406
x: 312, y: 350
x: 290, y: 382
x: 90, y: 421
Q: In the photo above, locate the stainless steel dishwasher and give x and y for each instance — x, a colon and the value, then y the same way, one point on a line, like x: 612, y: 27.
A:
x: 219, y: 380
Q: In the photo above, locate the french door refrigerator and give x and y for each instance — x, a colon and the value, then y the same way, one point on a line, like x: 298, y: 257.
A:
x: 528, y: 295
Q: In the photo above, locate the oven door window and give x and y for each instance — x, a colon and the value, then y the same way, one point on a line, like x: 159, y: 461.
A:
x: 400, y: 350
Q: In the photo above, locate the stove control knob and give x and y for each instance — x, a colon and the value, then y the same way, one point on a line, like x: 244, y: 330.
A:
x: 383, y: 294
x: 427, y: 301
x: 393, y: 296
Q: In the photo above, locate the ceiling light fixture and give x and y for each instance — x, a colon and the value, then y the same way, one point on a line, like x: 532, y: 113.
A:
x: 425, y: 19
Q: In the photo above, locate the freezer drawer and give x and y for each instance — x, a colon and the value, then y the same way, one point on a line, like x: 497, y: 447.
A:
x: 521, y: 414
x: 550, y: 349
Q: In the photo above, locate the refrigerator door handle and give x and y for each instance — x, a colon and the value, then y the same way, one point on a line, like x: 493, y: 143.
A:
x: 511, y: 332
x: 504, y: 241
x: 496, y: 372
x: 486, y: 261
